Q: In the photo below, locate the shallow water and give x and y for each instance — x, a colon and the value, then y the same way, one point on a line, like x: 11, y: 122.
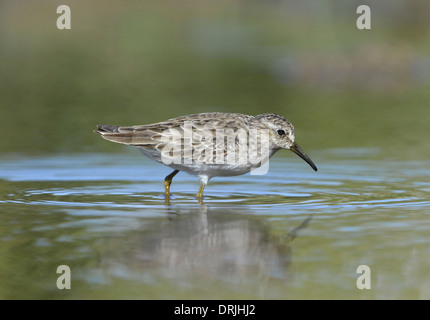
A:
x: 290, y: 234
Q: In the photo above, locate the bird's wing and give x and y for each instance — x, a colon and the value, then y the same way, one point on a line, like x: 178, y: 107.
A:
x: 200, y: 137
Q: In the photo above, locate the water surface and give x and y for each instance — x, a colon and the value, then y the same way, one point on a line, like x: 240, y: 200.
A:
x: 290, y: 234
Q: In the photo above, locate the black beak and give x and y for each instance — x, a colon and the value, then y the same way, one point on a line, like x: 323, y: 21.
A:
x: 297, y: 150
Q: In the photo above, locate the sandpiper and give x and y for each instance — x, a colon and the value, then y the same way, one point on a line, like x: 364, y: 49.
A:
x: 210, y: 144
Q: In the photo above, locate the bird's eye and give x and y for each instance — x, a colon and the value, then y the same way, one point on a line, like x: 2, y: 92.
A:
x: 281, y: 132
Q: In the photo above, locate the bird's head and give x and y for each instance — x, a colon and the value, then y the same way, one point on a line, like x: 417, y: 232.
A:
x: 281, y: 135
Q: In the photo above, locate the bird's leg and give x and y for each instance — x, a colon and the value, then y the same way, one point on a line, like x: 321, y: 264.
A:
x: 168, y: 182
x: 200, y: 193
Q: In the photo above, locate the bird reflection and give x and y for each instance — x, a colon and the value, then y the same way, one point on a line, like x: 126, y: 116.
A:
x: 225, y: 245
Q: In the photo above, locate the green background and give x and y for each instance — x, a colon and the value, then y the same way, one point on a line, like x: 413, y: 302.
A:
x: 138, y: 62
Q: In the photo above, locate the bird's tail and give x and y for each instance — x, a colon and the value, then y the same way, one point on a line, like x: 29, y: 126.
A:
x: 125, y: 135
x: 106, y: 128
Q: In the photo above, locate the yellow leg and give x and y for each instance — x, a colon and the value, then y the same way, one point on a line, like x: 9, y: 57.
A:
x: 200, y: 193
x: 168, y: 182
